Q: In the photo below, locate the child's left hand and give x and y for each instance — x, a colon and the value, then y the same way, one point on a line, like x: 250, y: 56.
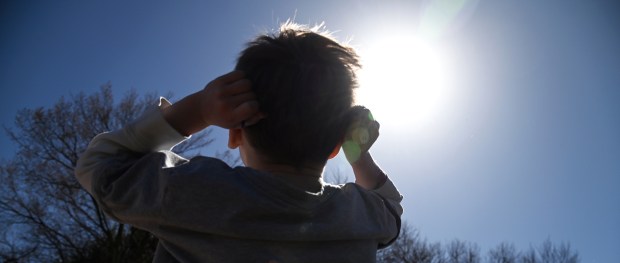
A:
x: 361, y: 134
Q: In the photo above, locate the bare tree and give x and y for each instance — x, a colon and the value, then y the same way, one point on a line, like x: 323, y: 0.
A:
x: 550, y: 253
x: 336, y: 176
x: 411, y: 248
x: 503, y: 253
x: 473, y: 254
x: 529, y: 256
x: 45, y: 215
x: 456, y: 251
x: 402, y: 249
x: 463, y: 252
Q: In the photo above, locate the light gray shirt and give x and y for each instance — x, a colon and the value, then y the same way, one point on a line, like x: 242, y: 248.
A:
x: 202, y: 210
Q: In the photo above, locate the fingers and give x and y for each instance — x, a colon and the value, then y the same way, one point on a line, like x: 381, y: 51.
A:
x: 230, y: 84
x: 373, y: 132
x: 362, y: 117
x: 241, y: 98
x: 232, y: 89
x: 253, y: 120
x: 244, y: 103
x: 363, y: 130
x: 232, y: 102
x: 236, y: 87
x: 360, y: 111
x: 244, y: 113
x: 228, y: 78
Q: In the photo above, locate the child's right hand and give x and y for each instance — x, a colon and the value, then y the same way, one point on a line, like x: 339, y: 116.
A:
x: 361, y: 134
x: 229, y: 102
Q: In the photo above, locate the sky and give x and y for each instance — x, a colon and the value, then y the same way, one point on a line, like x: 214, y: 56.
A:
x: 500, y: 120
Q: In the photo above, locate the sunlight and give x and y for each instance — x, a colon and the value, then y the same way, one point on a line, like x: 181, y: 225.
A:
x: 404, y: 81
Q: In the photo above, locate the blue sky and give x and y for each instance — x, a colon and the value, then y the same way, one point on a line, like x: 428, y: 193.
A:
x: 524, y: 145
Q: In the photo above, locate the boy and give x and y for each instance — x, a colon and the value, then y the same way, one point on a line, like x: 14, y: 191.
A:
x: 288, y: 108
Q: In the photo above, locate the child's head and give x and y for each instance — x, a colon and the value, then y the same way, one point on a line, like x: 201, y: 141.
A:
x: 304, y: 83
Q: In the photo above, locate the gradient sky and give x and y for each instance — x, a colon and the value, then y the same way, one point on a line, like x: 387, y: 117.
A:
x: 526, y: 145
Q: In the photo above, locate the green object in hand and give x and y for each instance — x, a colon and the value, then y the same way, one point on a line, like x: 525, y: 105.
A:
x: 351, y: 150
x: 361, y: 134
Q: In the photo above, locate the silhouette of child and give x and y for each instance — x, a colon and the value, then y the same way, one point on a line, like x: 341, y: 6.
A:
x: 288, y: 107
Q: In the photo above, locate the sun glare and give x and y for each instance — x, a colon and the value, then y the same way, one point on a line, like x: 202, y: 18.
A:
x: 404, y: 81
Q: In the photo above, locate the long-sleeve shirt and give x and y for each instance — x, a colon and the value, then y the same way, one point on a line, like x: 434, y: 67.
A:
x: 203, y: 210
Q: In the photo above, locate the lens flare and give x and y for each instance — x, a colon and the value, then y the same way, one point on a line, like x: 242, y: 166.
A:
x: 441, y: 16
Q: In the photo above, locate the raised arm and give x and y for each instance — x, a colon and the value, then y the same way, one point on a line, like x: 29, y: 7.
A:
x: 367, y: 172
x: 361, y: 135
x: 124, y: 170
x: 227, y: 101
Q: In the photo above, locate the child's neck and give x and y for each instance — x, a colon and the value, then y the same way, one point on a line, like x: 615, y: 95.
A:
x: 289, y: 170
x: 306, y: 178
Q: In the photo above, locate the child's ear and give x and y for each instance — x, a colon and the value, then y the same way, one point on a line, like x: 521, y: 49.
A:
x: 235, y: 138
x: 336, y: 151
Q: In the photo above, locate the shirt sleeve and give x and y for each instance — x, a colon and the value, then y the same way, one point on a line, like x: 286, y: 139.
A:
x: 124, y: 170
x: 391, y: 200
x: 390, y: 194
x: 148, y: 133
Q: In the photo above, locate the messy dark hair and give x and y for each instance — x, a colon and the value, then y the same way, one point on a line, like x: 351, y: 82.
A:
x: 304, y: 82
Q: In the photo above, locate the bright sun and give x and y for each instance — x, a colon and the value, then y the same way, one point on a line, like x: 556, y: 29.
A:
x: 404, y: 81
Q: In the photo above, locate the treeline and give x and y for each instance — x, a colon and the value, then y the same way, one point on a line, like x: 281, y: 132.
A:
x: 410, y: 247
